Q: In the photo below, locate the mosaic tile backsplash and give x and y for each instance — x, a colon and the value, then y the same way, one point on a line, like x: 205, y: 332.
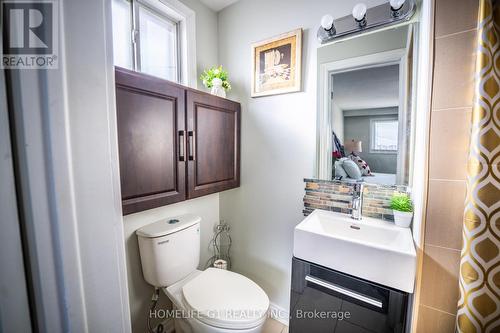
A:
x: 336, y: 196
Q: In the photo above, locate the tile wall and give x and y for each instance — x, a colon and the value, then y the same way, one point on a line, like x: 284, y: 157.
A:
x: 337, y: 196
x: 452, y: 98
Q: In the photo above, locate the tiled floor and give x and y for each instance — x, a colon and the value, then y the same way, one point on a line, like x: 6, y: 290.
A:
x: 274, y: 326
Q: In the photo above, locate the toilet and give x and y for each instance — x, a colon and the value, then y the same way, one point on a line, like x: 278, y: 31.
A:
x: 209, y: 301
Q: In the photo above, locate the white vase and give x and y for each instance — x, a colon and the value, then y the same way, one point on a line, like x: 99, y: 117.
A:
x: 402, y: 219
x: 217, y: 89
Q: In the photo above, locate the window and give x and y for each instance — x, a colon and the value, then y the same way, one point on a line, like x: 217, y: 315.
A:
x: 122, y: 33
x: 384, y: 135
x: 157, y: 45
x: 146, y: 39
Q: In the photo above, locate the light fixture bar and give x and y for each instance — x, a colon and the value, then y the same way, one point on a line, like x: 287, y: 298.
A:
x: 376, y: 17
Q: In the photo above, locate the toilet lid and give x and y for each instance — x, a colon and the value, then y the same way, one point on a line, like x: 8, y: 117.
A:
x: 226, y: 299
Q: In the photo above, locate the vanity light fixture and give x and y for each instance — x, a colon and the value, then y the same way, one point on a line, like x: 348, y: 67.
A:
x: 359, y: 14
x: 327, y: 24
x: 396, y: 7
x: 366, y: 18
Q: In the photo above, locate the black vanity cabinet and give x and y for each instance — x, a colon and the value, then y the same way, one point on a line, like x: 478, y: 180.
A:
x: 324, y: 300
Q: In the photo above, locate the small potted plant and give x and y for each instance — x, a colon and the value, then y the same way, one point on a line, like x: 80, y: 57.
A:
x: 402, y: 208
x: 215, y: 79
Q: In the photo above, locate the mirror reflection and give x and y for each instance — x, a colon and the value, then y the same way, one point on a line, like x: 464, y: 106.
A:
x: 364, y: 117
x: 366, y: 109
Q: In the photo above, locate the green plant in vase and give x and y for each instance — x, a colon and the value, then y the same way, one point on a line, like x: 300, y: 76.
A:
x: 216, y: 79
x: 402, y: 208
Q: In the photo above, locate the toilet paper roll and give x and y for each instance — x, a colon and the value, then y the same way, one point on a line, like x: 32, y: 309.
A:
x: 221, y: 264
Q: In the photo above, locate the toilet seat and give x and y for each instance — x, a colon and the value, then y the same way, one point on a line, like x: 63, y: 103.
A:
x: 224, y: 299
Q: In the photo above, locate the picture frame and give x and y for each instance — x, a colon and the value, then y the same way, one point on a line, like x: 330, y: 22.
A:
x: 277, y: 64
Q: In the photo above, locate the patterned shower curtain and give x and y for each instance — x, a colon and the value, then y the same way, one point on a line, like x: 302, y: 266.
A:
x: 479, y: 304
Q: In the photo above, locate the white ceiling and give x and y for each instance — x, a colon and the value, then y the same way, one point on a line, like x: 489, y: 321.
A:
x: 368, y: 88
x: 218, y: 5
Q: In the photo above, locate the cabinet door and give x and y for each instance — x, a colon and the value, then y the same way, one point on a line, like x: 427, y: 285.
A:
x: 151, y: 140
x: 325, y: 300
x: 213, y: 144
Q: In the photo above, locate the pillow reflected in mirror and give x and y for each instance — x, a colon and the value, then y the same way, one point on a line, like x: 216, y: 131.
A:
x: 352, y: 169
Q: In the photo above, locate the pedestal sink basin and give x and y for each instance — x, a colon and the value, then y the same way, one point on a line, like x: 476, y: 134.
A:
x: 371, y: 249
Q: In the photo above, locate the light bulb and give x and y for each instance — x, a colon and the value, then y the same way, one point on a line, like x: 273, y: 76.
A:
x: 359, y: 11
x: 327, y: 22
x: 397, y: 4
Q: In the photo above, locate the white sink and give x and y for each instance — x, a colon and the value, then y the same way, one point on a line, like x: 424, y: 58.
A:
x: 371, y: 249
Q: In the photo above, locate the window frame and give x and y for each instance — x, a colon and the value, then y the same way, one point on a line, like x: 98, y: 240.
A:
x: 136, y: 35
x: 373, y: 123
x: 130, y: 37
x: 184, y: 17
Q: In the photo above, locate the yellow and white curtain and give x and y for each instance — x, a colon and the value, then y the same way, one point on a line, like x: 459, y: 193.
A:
x: 479, y: 304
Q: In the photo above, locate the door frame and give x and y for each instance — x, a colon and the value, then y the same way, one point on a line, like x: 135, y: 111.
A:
x: 65, y: 144
x: 16, y: 302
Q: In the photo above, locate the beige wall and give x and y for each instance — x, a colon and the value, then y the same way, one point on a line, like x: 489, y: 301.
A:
x: 452, y: 97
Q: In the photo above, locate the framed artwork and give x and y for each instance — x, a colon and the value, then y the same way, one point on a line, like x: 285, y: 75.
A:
x: 277, y: 64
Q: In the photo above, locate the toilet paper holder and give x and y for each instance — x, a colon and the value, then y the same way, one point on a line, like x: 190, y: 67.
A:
x: 220, y: 264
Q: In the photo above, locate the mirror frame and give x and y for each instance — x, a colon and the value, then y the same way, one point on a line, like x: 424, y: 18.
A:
x: 324, y: 116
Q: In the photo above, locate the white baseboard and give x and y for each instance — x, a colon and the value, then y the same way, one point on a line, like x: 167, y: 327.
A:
x: 278, y: 313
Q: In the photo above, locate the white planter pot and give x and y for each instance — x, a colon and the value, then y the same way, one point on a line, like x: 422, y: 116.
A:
x: 402, y: 219
x: 217, y: 89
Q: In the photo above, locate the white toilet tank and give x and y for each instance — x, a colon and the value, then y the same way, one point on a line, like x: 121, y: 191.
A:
x: 169, y: 249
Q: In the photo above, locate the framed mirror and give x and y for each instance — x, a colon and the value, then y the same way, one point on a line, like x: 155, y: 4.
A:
x: 366, y: 109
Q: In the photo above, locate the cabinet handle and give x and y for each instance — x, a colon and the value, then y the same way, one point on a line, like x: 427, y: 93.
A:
x: 344, y: 291
x: 192, y: 145
x: 182, y: 144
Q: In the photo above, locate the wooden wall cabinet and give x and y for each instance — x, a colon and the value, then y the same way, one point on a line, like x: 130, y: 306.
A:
x: 174, y: 143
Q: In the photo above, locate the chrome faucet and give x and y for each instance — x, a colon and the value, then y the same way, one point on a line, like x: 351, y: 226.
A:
x: 357, y: 201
